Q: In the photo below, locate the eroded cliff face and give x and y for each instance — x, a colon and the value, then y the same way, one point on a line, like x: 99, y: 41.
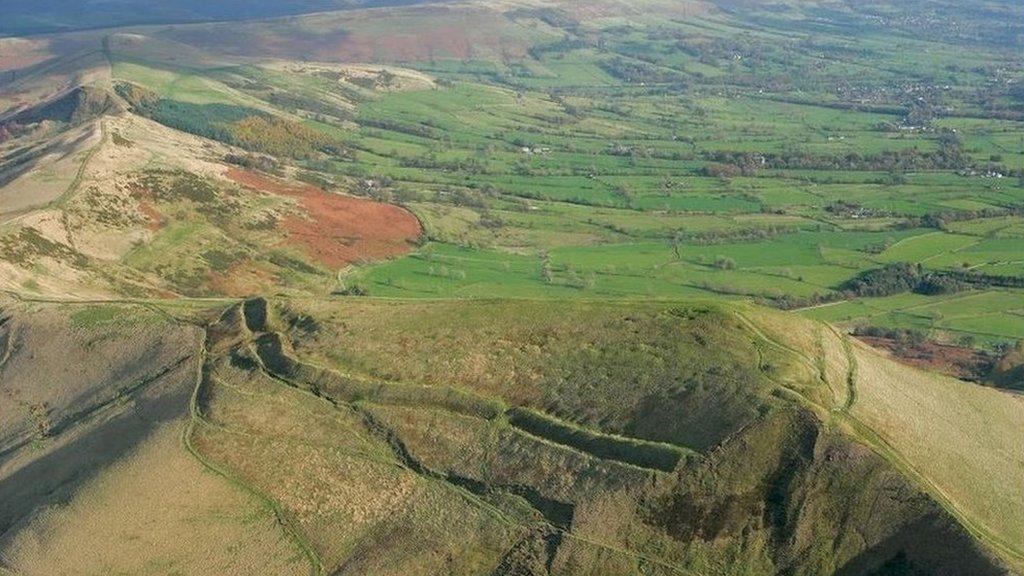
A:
x: 801, y: 498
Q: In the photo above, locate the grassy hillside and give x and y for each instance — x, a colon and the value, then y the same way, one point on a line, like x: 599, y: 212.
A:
x: 486, y: 288
x: 611, y: 154
x: 385, y: 436
x: 93, y: 472
x: 462, y: 344
x: 954, y: 438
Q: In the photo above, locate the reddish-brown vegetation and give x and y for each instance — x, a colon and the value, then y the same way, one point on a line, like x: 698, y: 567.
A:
x: 472, y: 34
x: 17, y: 53
x: 241, y: 279
x: 154, y: 219
x: 339, y: 230
x: 958, y: 361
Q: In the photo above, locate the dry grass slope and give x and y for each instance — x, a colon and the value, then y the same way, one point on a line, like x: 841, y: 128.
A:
x: 94, y: 478
x: 961, y: 437
x: 156, y: 511
x: 952, y: 437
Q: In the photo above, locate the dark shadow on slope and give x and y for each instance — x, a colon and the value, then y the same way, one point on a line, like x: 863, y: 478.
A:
x: 810, y: 501
x: 83, y: 415
x: 53, y: 478
x: 75, y: 106
x: 931, y: 545
x: 23, y: 159
x: 532, y: 555
x: 254, y: 311
x: 557, y: 513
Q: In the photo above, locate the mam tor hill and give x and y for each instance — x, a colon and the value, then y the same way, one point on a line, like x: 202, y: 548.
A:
x: 511, y: 288
x: 388, y: 437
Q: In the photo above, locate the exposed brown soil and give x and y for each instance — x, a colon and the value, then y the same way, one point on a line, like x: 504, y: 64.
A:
x: 958, y: 361
x: 243, y: 278
x: 154, y: 219
x: 339, y: 230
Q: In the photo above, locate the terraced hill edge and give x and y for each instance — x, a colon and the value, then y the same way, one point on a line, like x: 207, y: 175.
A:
x: 908, y: 528
x: 655, y: 455
x: 360, y: 482
x: 272, y: 349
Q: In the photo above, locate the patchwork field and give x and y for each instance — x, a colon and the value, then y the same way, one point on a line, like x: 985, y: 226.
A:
x: 570, y: 165
x: 525, y: 168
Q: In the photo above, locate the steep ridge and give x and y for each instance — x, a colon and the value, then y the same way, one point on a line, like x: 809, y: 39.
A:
x: 80, y: 104
x: 79, y: 421
x: 934, y: 429
x: 368, y: 474
x: 785, y: 493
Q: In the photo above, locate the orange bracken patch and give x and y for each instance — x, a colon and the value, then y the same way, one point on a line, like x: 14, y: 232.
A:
x: 242, y: 279
x: 339, y: 230
x: 957, y: 361
x: 154, y: 220
x: 18, y: 53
